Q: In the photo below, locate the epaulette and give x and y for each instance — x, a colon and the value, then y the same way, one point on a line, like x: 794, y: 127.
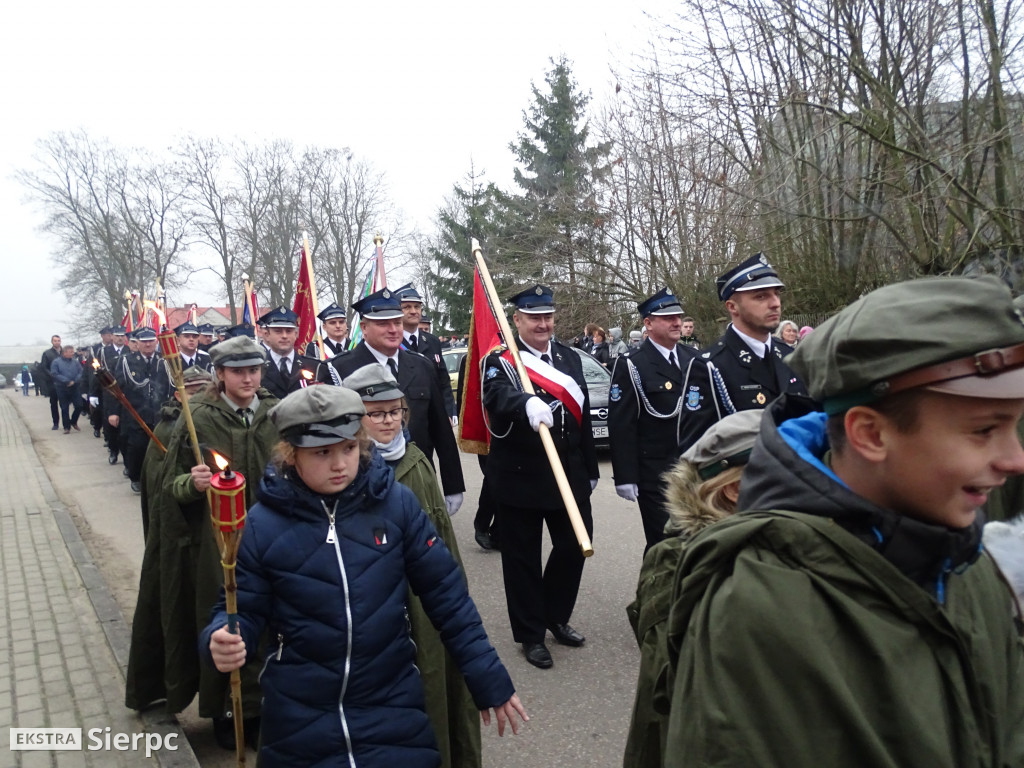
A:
x: 718, y: 347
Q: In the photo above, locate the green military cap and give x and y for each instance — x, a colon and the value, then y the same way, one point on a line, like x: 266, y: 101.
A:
x: 373, y: 382
x: 727, y: 443
x: 237, y: 352
x: 318, y: 415
x: 196, y: 374
x: 958, y: 335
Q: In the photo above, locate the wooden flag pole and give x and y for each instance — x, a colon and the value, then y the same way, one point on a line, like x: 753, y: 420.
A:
x: 545, y: 435
x: 317, y: 338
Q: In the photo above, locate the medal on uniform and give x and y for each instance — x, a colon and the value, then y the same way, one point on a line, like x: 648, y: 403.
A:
x: 668, y: 385
x: 760, y: 398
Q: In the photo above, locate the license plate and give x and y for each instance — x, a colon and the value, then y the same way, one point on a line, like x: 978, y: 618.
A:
x: 600, y: 432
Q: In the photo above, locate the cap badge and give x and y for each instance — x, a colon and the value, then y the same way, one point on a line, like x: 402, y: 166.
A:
x: 386, y: 294
x: 538, y: 290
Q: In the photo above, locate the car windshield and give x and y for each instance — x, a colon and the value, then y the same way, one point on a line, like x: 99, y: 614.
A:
x: 451, y: 361
x: 593, y: 371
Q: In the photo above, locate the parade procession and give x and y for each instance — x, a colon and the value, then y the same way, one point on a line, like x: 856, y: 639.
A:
x: 618, y: 385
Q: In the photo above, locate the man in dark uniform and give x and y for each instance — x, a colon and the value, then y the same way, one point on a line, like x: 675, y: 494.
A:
x: 110, y: 358
x: 146, y: 384
x: 334, y: 325
x: 746, y: 365
x: 287, y: 370
x: 96, y: 415
x: 522, y: 480
x: 206, y: 338
x: 424, y: 343
x: 188, y: 348
x: 655, y: 390
x: 380, y: 318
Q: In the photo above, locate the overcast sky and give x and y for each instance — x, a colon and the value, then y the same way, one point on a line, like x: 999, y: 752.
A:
x: 417, y: 89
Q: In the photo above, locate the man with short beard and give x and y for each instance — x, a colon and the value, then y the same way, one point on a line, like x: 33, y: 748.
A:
x: 746, y: 362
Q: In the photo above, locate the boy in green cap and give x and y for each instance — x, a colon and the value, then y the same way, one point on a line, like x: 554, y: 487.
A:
x: 850, y: 616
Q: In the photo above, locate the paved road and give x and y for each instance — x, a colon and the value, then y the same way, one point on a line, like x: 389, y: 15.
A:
x: 579, y: 709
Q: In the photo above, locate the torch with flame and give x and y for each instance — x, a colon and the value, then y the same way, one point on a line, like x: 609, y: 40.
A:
x: 307, y: 377
x: 169, y: 350
x: 227, y: 512
x: 109, y: 383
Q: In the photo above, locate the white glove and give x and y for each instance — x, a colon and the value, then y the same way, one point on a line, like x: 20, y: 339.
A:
x: 94, y: 402
x: 455, y: 421
x: 452, y: 503
x: 629, y: 491
x: 593, y: 484
x: 538, y: 412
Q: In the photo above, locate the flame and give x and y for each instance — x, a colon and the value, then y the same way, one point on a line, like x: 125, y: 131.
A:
x: 220, y: 461
x: 307, y: 375
x: 95, y: 364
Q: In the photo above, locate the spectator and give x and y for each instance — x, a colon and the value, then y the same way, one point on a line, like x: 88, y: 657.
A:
x: 26, y: 379
x: 617, y: 346
x: 804, y: 331
x: 600, y: 348
x: 636, y: 338
x: 689, y: 338
x: 65, y: 377
x: 788, y: 333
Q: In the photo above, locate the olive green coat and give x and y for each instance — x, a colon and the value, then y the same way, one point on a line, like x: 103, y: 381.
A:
x: 450, y: 707
x: 795, y: 644
x: 248, y: 450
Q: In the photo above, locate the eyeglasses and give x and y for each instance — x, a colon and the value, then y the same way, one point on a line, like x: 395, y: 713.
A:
x: 379, y: 417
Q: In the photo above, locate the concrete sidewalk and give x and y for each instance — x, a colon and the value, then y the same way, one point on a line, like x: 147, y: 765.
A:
x: 64, y: 639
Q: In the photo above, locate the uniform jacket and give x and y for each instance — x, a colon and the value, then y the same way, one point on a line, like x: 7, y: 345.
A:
x: 248, y: 451
x: 843, y: 633
x: 645, y: 444
x: 428, y: 420
x: 452, y: 713
x: 339, y: 680
x: 202, y: 359
x: 428, y: 345
x: 517, y: 463
x: 330, y: 348
x: 746, y: 378
x: 280, y: 387
x: 146, y: 385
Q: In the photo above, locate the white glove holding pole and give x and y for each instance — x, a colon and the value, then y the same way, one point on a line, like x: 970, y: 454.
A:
x: 94, y: 402
x: 629, y: 491
x: 452, y: 503
x: 538, y: 412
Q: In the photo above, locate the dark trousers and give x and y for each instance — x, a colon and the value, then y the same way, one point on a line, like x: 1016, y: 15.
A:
x: 133, y: 446
x: 112, y: 435
x: 653, y: 514
x: 69, y: 401
x: 54, y: 404
x: 538, y: 598
x: 486, y: 520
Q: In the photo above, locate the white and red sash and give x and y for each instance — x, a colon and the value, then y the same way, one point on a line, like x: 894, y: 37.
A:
x: 553, y: 381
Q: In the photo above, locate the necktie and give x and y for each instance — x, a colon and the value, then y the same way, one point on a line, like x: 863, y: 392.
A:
x: 243, y: 414
x: 546, y: 359
x: 672, y: 358
x: 284, y: 367
x: 394, y: 367
x: 189, y: 362
x: 412, y: 343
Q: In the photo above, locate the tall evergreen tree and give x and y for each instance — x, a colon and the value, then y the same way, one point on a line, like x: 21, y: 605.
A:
x: 551, y: 227
x: 467, y: 214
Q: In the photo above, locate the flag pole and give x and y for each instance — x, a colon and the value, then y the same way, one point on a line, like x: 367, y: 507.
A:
x: 545, y: 435
x: 317, y: 338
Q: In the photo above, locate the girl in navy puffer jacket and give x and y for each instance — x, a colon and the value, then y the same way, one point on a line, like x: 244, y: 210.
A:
x: 327, y: 556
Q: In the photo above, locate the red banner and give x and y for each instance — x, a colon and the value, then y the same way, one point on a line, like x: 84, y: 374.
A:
x: 474, y: 436
x: 303, y: 306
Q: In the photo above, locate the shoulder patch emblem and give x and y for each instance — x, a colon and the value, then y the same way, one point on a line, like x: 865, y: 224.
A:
x: 693, y: 399
x: 615, y: 393
x: 491, y: 373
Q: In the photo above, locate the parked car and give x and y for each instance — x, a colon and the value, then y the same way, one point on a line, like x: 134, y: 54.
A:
x: 598, y: 380
x: 452, y: 359
x: 3, y: 381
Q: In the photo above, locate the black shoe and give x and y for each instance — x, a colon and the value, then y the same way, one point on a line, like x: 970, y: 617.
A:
x: 112, y: 458
x: 252, y: 732
x: 538, y: 655
x: 566, y: 635
x: 55, y: 428
x: 95, y: 433
x: 224, y: 733
x: 136, y: 486
x: 483, y: 538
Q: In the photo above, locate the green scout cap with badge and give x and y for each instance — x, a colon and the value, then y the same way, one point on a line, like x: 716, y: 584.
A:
x: 196, y: 374
x: 319, y: 415
x: 957, y: 335
x: 727, y: 443
x: 373, y: 382
x: 237, y: 352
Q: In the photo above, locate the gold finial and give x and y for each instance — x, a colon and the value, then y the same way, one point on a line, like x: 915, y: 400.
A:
x: 378, y: 239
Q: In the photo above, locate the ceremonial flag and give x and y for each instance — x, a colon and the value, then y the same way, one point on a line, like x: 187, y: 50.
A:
x: 380, y: 279
x: 474, y: 435
x: 357, y: 332
x: 128, y: 321
x: 305, y: 303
